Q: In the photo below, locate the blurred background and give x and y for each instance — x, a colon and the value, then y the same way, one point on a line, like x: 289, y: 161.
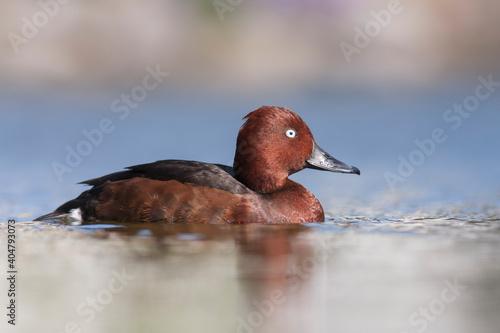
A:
x: 368, y: 77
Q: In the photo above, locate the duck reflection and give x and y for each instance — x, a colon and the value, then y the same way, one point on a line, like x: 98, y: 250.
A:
x: 275, y: 263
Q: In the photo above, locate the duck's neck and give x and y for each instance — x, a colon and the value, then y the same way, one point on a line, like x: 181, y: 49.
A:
x: 295, y: 204
x: 261, y: 181
x: 287, y: 201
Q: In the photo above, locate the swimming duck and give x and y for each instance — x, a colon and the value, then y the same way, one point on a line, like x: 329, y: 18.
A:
x: 272, y: 144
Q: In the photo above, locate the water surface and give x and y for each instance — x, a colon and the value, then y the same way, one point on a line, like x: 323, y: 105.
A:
x: 353, y: 273
x: 420, y: 256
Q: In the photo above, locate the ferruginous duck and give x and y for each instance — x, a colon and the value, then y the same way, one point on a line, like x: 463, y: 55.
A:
x: 272, y: 144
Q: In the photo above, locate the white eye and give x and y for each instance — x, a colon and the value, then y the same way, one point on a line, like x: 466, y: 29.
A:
x: 291, y: 133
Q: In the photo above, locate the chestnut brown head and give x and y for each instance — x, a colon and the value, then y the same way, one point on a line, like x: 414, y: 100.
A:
x: 274, y: 143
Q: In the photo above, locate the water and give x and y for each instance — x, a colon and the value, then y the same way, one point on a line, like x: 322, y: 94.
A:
x: 352, y: 273
x: 371, y: 131
x: 422, y: 255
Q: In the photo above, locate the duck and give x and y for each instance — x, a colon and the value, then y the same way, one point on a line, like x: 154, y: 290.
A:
x: 272, y: 144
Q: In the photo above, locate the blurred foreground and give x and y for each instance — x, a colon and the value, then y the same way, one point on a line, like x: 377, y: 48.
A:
x: 355, y: 274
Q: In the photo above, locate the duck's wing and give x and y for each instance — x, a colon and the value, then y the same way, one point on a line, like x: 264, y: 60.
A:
x: 207, y: 178
x: 203, y: 174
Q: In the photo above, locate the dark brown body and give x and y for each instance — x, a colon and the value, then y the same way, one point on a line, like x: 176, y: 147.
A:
x: 149, y: 200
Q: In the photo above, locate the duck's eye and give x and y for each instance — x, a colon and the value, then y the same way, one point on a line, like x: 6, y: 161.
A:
x: 291, y: 133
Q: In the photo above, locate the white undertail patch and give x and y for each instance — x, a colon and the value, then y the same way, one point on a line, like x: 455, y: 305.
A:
x: 75, y: 216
